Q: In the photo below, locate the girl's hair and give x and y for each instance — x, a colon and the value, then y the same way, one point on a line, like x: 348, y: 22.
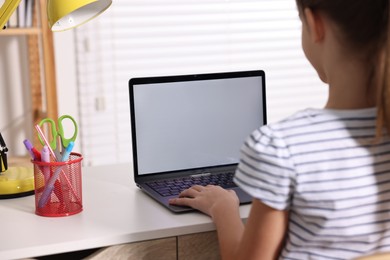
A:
x: 364, y: 28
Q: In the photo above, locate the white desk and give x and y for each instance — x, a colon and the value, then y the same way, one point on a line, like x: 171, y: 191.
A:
x: 115, y: 212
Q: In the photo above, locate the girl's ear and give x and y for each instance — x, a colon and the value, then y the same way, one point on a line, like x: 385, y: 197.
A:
x: 315, y: 25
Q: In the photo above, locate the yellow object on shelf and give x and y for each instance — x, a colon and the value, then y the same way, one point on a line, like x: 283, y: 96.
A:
x: 17, y: 182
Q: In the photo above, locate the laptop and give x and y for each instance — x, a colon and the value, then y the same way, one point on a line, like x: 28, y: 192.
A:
x: 188, y: 129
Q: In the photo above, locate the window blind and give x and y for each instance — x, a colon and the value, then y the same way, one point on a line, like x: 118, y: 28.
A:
x: 153, y: 37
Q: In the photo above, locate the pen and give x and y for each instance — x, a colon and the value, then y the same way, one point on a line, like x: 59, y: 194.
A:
x: 35, y: 154
x: 29, y: 148
x: 68, y: 149
x: 50, y: 184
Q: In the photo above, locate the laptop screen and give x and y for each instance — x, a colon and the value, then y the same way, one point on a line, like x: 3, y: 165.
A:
x: 194, y: 121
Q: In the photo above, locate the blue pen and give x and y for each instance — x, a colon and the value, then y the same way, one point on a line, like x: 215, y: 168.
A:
x: 50, y: 184
x: 68, y: 149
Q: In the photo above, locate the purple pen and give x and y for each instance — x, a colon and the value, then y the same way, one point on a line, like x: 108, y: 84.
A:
x: 29, y: 148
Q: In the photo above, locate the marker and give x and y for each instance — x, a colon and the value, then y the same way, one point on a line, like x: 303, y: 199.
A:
x: 37, y: 154
x: 29, y: 148
x: 45, y: 157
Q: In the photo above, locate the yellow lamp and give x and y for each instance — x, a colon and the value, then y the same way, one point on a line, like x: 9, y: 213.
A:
x: 62, y: 14
x: 67, y: 14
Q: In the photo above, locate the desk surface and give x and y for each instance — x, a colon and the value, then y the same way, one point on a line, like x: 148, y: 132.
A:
x: 115, y: 212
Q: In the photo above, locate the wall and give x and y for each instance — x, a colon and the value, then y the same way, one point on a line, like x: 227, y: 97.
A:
x: 66, y: 76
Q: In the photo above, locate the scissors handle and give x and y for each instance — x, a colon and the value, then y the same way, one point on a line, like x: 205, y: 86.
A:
x: 53, y: 130
x: 66, y: 141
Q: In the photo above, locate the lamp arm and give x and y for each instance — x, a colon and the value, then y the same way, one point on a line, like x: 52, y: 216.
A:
x: 6, y: 10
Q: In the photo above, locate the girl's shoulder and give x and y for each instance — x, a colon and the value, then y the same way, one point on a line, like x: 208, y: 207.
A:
x: 311, y: 119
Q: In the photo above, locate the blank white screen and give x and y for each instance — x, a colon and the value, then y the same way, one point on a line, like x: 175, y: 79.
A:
x: 193, y: 124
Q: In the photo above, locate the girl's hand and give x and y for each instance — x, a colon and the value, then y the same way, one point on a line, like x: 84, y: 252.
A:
x: 211, y: 200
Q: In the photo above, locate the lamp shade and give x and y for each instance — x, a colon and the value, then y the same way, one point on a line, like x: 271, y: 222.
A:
x: 67, y: 14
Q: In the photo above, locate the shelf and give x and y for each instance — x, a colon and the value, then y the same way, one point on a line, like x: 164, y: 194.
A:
x: 41, y: 64
x: 20, y: 31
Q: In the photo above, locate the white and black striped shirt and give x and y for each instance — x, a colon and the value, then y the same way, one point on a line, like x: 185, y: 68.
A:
x: 325, y: 167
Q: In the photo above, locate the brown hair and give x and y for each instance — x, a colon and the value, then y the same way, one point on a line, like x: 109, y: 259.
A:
x: 364, y: 27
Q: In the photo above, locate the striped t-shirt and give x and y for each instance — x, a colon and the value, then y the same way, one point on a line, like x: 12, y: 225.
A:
x: 325, y: 167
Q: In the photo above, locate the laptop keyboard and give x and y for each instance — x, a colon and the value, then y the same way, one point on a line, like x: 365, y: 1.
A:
x: 173, y: 187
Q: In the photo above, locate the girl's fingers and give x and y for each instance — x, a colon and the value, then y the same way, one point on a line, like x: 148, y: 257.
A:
x: 181, y: 201
x: 191, y: 192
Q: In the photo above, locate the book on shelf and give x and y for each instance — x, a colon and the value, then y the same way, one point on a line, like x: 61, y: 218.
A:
x: 13, y: 20
x: 29, y: 13
x: 21, y: 11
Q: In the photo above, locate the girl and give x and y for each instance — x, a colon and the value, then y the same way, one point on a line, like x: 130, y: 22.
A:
x: 321, y: 178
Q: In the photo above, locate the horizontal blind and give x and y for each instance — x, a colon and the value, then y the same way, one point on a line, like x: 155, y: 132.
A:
x: 153, y: 37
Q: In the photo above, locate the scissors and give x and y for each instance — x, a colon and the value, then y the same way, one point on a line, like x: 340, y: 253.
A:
x: 58, y: 134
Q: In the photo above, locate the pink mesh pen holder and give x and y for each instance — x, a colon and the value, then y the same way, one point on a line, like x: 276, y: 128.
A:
x: 58, y: 187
